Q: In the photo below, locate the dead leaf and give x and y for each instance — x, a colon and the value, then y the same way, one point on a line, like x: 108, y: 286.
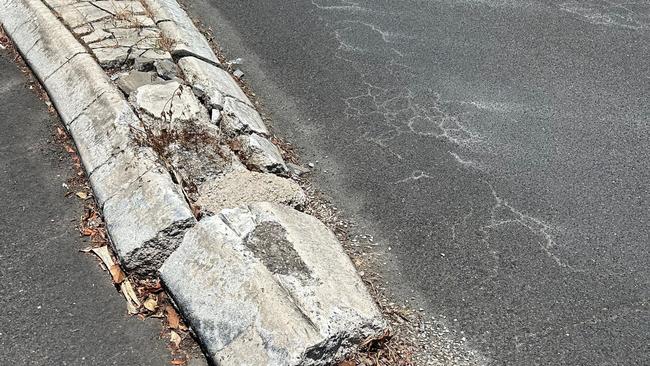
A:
x: 82, y: 195
x: 178, y: 361
x: 104, y: 255
x: 87, y: 231
x: 173, y: 319
x: 69, y: 149
x: 175, y: 338
x: 347, y: 363
x: 151, y: 303
x: 132, y: 302
x: 117, y: 274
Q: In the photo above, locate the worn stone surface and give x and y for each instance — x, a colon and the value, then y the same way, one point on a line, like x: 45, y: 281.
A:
x: 264, y: 284
x: 175, y: 23
x: 243, y: 187
x: 168, y: 105
x: 115, y: 31
x: 262, y: 154
x: 217, y: 82
x: 29, y: 23
x: 147, y: 220
x: 132, y: 80
x: 120, y: 170
x: 166, y: 69
x: 103, y: 129
x: 96, y: 36
x: 240, y: 118
x: 76, y: 85
x: 77, y: 14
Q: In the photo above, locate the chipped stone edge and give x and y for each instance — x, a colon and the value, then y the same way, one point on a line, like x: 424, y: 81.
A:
x: 47, y: 46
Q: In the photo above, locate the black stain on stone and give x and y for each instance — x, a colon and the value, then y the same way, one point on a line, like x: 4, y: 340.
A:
x: 269, y: 243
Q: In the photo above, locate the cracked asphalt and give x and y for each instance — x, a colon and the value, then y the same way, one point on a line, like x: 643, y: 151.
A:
x: 58, y: 306
x: 497, y: 150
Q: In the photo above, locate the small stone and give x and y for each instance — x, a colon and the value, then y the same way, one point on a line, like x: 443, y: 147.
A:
x: 238, y: 74
x: 236, y: 62
x: 166, y: 69
x: 311, y: 165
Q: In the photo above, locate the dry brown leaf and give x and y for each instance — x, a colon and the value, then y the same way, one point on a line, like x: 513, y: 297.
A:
x: 104, y: 255
x: 69, y: 149
x: 150, y: 303
x: 117, y: 274
x: 175, y: 338
x: 132, y: 302
x: 87, y: 231
x: 173, y: 319
x: 82, y: 195
x: 178, y: 361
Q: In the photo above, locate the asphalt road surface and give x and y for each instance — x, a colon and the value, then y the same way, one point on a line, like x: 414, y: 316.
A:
x: 57, y: 307
x: 500, y: 148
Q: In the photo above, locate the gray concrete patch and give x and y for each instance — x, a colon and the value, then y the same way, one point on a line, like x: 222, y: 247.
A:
x: 243, y: 187
x: 265, y: 284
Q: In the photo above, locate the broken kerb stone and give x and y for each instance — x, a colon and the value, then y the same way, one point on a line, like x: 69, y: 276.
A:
x: 217, y: 82
x: 240, y: 118
x: 168, y: 103
x: 166, y: 69
x: 262, y: 154
x: 174, y: 22
x: 265, y: 284
x: 146, y: 221
x: 237, y: 188
x: 132, y: 80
